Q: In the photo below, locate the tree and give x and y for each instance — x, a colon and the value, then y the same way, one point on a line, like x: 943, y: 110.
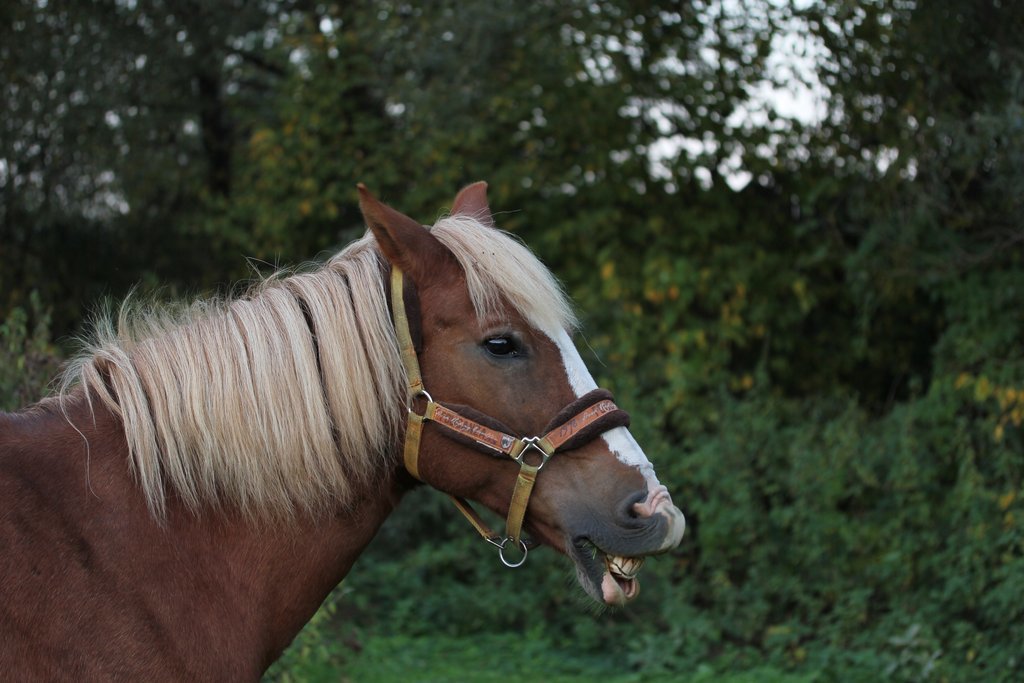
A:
x: 120, y: 118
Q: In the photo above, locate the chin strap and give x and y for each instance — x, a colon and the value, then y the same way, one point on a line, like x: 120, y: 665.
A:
x: 581, y: 421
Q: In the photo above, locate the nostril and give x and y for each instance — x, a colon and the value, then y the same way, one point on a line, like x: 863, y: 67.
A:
x: 634, y: 506
x: 642, y: 509
x: 651, y: 501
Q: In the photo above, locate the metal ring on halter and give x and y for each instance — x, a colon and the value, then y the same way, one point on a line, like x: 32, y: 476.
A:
x: 501, y: 552
x: 531, y: 442
x: 412, y: 397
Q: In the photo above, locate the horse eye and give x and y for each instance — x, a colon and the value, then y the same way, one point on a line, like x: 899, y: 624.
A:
x: 503, y: 347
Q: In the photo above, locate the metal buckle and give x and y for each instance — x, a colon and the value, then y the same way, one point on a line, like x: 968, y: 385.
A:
x: 531, y: 442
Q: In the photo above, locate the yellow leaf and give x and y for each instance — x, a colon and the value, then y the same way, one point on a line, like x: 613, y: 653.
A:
x: 982, y: 389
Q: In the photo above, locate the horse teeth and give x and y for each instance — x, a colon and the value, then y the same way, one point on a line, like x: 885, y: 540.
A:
x: 626, y: 567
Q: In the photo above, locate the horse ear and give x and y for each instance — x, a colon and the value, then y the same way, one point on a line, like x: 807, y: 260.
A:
x: 405, y: 242
x: 472, y: 201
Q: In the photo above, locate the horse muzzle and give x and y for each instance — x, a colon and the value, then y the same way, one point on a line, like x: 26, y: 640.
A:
x: 609, y: 554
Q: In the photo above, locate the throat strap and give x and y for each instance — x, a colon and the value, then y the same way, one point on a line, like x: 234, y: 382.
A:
x: 411, y: 452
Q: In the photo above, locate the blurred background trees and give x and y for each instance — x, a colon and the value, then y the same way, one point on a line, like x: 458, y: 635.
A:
x: 794, y: 232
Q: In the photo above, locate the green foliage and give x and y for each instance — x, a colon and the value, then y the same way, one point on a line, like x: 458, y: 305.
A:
x: 28, y: 359
x: 871, y: 529
x: 494, y: 657
x: 316, y: 654
x: 815, y: 324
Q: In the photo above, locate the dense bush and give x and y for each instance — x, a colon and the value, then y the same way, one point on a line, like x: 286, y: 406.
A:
x: 28, y: 358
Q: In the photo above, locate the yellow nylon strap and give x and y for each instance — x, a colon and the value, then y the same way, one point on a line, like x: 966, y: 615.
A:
x: 470, y: 514
x: 405, y: 345
x: 520, y: 498
x: 414, y: 425
x: 413, y: 430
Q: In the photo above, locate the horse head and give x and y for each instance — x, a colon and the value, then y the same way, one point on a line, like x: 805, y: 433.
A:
x: 504, y: 412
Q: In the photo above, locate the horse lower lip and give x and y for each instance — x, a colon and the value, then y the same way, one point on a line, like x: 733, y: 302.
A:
x: 617, y: 590
x: 619, y: 584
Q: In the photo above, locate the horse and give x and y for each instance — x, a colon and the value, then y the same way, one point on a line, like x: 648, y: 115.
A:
x: 205, y: 476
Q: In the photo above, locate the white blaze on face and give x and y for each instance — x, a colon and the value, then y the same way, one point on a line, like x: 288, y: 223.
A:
x: 625, y: 447
x: 619, y: 440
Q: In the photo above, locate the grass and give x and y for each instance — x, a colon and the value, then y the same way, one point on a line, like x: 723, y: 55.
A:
x: 489, y: 658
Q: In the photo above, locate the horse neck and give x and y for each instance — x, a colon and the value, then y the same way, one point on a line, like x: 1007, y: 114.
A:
x: 214, y: 582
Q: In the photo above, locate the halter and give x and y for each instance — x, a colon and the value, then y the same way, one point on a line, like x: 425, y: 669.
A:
x: 578, y: 423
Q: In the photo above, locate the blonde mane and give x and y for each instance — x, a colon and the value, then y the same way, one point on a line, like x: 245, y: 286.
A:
x: 290, y: 397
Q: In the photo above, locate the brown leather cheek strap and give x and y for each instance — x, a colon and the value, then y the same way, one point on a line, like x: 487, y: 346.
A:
x: 578, y: 423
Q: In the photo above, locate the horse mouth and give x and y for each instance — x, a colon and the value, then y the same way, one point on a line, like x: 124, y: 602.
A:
x: 610, y: 578
x: 619, y: 584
